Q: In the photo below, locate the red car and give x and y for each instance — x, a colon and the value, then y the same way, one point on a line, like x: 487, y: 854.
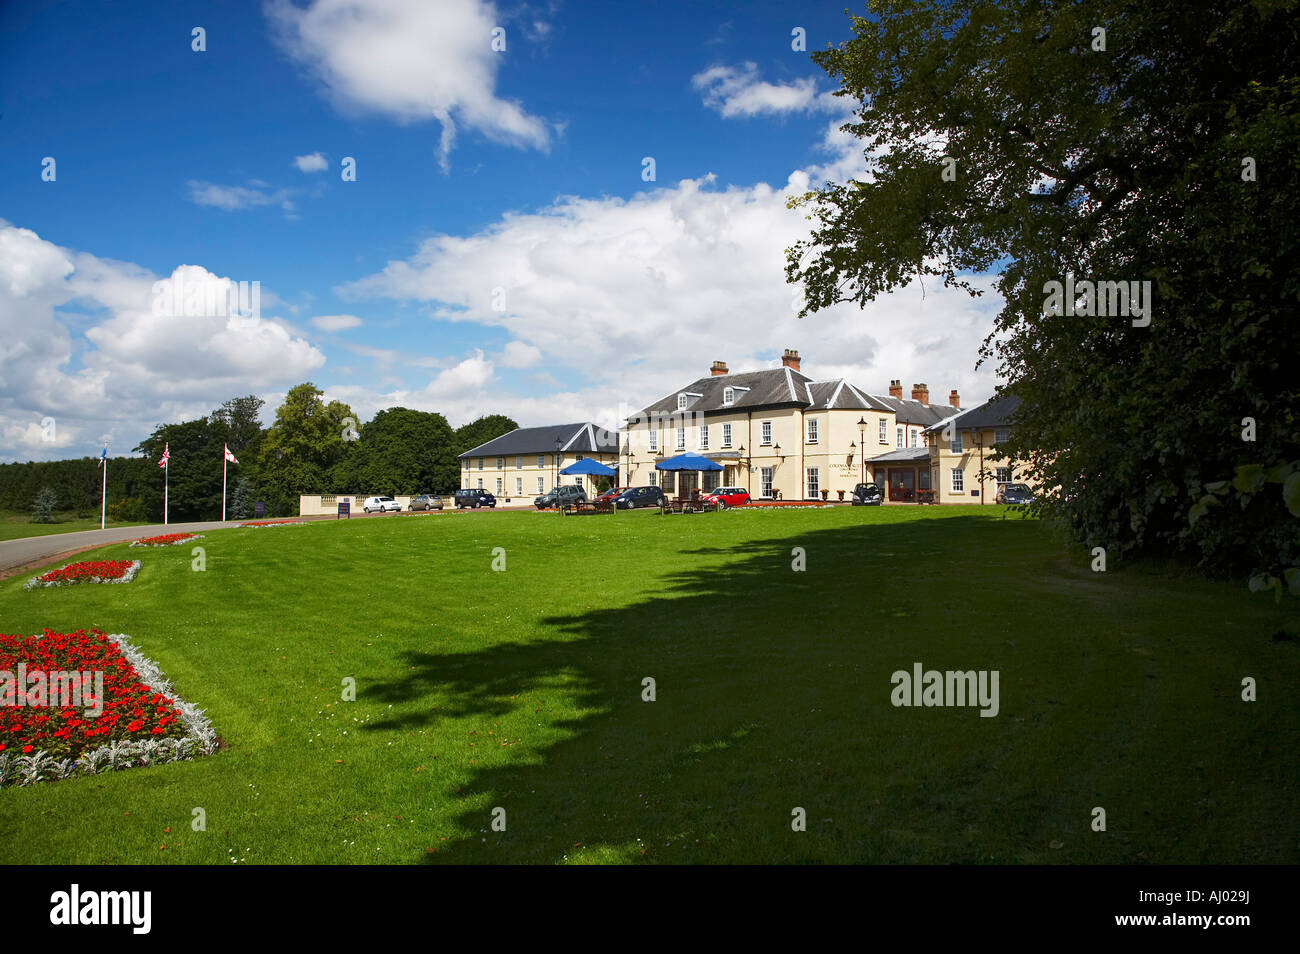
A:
x: 727, y: 496
x: 611, y: 493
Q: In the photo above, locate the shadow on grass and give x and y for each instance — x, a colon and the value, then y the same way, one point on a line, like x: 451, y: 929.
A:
x: 772, y: 694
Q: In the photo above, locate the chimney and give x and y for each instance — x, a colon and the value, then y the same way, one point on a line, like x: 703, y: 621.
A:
x: 719, y: 367
x: 790, y: 359
x: 953, y: 399
x: 921, y: 392
x: 896, y: 389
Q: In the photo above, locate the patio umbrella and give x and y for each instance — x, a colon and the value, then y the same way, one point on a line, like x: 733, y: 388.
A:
x: 692, y: 462
x: 589, y: 466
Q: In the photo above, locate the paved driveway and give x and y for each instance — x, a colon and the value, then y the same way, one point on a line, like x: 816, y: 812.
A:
x: 27, y: 550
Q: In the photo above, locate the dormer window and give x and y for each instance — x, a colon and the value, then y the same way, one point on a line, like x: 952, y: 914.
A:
x: 728, y: 396
x: 681, y: 402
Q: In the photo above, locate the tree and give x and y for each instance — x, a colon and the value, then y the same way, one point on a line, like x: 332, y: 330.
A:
x: 308, y: 438
x: 1148, y: 141
x: 400, y: 451
x: 43, y: 507
x: 480, y: 431
x: 241, y: 500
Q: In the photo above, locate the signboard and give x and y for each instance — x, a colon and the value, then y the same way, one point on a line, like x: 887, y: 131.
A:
x: 345, y: 508
x: 259, y: 510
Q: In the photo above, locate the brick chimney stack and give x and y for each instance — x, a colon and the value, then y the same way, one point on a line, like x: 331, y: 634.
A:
x: 953, y: 399
x: 790, y: 359
x: 896, y: 389
x: 921, y: 392
x: 719, y: 367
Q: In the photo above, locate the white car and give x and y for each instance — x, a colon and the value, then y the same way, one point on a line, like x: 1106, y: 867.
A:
x: 381, y: 504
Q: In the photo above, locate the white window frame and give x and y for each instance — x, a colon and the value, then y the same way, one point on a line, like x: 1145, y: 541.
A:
x: 704, y: 437
x: 998, y: 476
x: 1001, y: 435
x: 541, y: 461
x: 958, y: 481
x: 766, y: 476
x: 726, y: 435
x: 681, y: 402
x: 653, y: 441
x: 519, y: 462
x: 901, y: 432
x: 654, y: 478
x: 954, y: 445
x: 728, y: 396
x: 480, y: 483
x: 501, y: 463
x: 812, y: 478
x: 913, y: 436
x: 480, y: 463
x: 884, y: 431
x: 812, y: 430
x: 765, y: 433
x: 500, y: 485
x: 541, y: 487
x: 519, y: 486
x: 681, y: 438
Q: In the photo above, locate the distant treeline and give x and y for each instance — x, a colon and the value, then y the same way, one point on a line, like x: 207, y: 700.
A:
x: 312, y: 447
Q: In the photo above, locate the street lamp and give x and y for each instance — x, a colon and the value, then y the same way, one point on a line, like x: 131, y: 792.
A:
x: 555, y: 466
x: 862, y: 436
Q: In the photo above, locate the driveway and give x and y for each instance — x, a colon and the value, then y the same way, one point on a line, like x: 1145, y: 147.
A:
x: 26, y: 551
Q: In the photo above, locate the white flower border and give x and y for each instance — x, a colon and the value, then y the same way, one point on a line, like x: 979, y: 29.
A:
x: 277, y: 523
x: 192, y: 536
x: 126, y: 577
x: 200, y: 737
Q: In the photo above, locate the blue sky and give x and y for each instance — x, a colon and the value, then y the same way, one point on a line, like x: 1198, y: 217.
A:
x: 499, y: 251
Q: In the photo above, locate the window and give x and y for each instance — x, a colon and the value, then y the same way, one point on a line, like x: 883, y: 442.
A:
x: 923, y: 479
x: 580, y: 456
x: 812, y: 430
x: 1004, y: 475
x: 329, y: 501
x: 669, y: 484
x: 501, y: 463
x: 519, y: 485
x: 540, y: 489
x: 480, y: 483
x: 681, y: 438
x: 767, y: 433
x: 957, y: 485
x: 954, y: 445
x: 711, y: 480
x: 765, y: 480
x: 654, y: 440
x: 519, y: 463
x: 728, y: 396
x: 578, y: 481
x: 900, y: 436
x: 480, y: 466
x: 704, y: 437
x: 814, y: 485
x: 1001, y: 435
x: 913, y: 435
x: 499, y: 485
x: 884, y: 431
x: 726, y: 435
x: 654, y: 478
x: 681, y: 402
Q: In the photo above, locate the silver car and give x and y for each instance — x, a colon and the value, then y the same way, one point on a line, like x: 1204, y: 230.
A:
x: 426, y: 502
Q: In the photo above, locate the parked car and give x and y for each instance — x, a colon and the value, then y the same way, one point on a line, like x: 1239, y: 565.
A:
x: 1015, y: 494
x: 474, y: 497
x: 426, y: 502
x: 382, y: 504
x: 867, y: 495
x: 611, y: 493
x: 636, y: 497
x: 560, y: 496
x: 727, y: 496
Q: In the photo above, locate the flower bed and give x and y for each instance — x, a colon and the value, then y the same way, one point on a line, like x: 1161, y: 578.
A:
x: 123, y: 714
x: 781, y: 504
x: 166, y: 540
x: 273, y: 523
x: 88, y: 571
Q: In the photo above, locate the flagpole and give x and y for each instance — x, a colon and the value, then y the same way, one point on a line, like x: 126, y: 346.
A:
x: 103, y: 493
x: 166, y: 468
x: 223, y: 488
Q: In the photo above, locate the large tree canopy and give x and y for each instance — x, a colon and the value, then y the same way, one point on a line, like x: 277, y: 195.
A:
x: 1115, y: 140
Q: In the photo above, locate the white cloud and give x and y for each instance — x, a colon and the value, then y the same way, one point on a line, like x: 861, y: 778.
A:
x: 336, y: 322
x: 738, y: 91
x: 129, y: 369
x: 233, y: 198
x: 410, y: 60
x: 653, y: 288
x: 312, y: 162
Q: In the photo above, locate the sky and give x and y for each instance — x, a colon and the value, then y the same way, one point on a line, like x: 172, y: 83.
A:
x: 556, y: 211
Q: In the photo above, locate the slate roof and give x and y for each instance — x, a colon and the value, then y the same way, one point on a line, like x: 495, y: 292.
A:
x: 581, y: 438
x: 771, y: 387
x: 997, y: 412
x: 903, y: 455
x: 908, y: 411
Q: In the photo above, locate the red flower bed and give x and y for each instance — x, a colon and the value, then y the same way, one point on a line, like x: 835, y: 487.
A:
x: 88, y: 570
x: 163, y: 540
x: 130, y: 709
x: 271, y: 523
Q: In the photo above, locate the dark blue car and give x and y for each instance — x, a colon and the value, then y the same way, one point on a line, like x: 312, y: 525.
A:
x: 474, y: 497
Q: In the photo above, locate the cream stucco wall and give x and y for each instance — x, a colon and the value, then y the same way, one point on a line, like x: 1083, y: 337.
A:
x: 524, y: 469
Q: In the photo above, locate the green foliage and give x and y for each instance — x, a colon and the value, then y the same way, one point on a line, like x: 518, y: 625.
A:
x: 128, y: 510
x: 308, y: 438
x: 240, y: 505
x: 400, y: 451
x: 480, y: 431
x: 1126, y: 164
x: 603, y: 485
x: 43, y: 506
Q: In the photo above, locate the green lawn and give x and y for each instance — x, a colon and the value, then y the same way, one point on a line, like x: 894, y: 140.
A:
x: 15, y: 525
x: 522, y: 689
